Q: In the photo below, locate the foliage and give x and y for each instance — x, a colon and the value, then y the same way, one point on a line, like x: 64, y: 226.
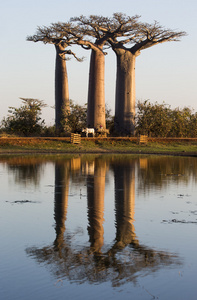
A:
x: 159, y: 120
x: 49, y: 131
x: 184, y: 123
x: 26, y: 119
x: 75, y: 118
x: 152, y: 119
x: 109, y: 119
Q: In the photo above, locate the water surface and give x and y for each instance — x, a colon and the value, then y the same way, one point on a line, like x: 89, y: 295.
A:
x: 86, y: 227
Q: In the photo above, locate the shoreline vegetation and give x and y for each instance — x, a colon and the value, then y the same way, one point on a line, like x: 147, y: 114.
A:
x: 109, y: 145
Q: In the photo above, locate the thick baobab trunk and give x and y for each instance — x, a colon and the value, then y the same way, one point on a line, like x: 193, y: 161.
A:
x: 125, y: 92
x: 96, y: 92
x: 61, y: 87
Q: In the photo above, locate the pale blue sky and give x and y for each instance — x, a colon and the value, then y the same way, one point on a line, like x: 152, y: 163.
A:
x: 166, y: 72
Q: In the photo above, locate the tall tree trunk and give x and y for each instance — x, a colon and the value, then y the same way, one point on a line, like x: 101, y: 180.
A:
x: 96, y: 91
x: 125, y: 92
x: 61, y: 87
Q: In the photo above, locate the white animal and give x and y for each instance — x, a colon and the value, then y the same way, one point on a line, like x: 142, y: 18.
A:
x: 88, y: 130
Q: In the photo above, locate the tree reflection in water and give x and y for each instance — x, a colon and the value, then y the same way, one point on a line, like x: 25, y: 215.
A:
x: 95, y: 198
x: 156, y: 172
x: 26, y: 170
x: 127, y: 257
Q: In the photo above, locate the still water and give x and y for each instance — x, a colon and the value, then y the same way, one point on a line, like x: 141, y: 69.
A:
x: 98, y: 227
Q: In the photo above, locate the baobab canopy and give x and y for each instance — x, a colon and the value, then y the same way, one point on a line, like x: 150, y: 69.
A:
x: 127, y: 36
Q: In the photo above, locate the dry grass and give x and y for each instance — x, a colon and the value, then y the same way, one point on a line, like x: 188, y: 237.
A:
x: 93, y: 145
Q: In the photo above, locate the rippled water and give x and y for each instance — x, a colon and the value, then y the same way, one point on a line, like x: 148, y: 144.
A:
x: 93, y: 227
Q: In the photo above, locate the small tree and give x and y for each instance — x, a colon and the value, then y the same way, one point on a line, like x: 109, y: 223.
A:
x: 109, y: 119
x: 75, y: 118
x: 153, y: 119
x: 159, y: 120
x: 26, y: 119
x: 183, y: 122
x: 193, y: 125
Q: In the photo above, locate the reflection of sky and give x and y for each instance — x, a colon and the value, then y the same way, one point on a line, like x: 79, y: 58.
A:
x: 32, y: 224
x: 41, y: 207
x: 156, y: 208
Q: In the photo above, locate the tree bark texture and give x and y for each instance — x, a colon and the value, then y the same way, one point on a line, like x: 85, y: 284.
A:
x: 125, y: 92
x: 96, y: 91
x: 61, y: 87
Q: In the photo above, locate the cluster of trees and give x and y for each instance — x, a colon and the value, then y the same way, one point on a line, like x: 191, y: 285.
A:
x: 25, y: 120
x: 75, y: 118
x: 160, y: 120
x: 126, y: 36
x: 156, y: 120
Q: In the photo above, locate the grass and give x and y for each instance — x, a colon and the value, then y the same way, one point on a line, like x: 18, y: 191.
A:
x: 124, y: 145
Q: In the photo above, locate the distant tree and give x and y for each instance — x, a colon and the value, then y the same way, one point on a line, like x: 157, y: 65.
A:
x: 53, y: 35
x: 153, y: 119
x: 109, y: 119
x: 184, y: 123
x: 136, y: 36
x: 193, y: 125
x: 159, y: 120
x: 26, y: 119
x: 75, y: 118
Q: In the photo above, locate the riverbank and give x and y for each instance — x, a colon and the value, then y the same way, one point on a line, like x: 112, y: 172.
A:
x: 167, y: 146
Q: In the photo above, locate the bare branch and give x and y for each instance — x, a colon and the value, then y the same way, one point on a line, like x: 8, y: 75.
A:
x: 98, y: 32
x: 153, y: 34
x: 59, y: 34
x: 141, y: 35
x: 73, y: 54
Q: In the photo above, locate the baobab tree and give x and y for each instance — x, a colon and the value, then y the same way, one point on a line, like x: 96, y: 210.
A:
x: 89, y: 36
x: 52, y: 35
x: 136, y: 36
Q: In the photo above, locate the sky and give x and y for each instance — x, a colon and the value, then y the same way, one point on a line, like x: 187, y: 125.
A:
x: 165, y: 72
